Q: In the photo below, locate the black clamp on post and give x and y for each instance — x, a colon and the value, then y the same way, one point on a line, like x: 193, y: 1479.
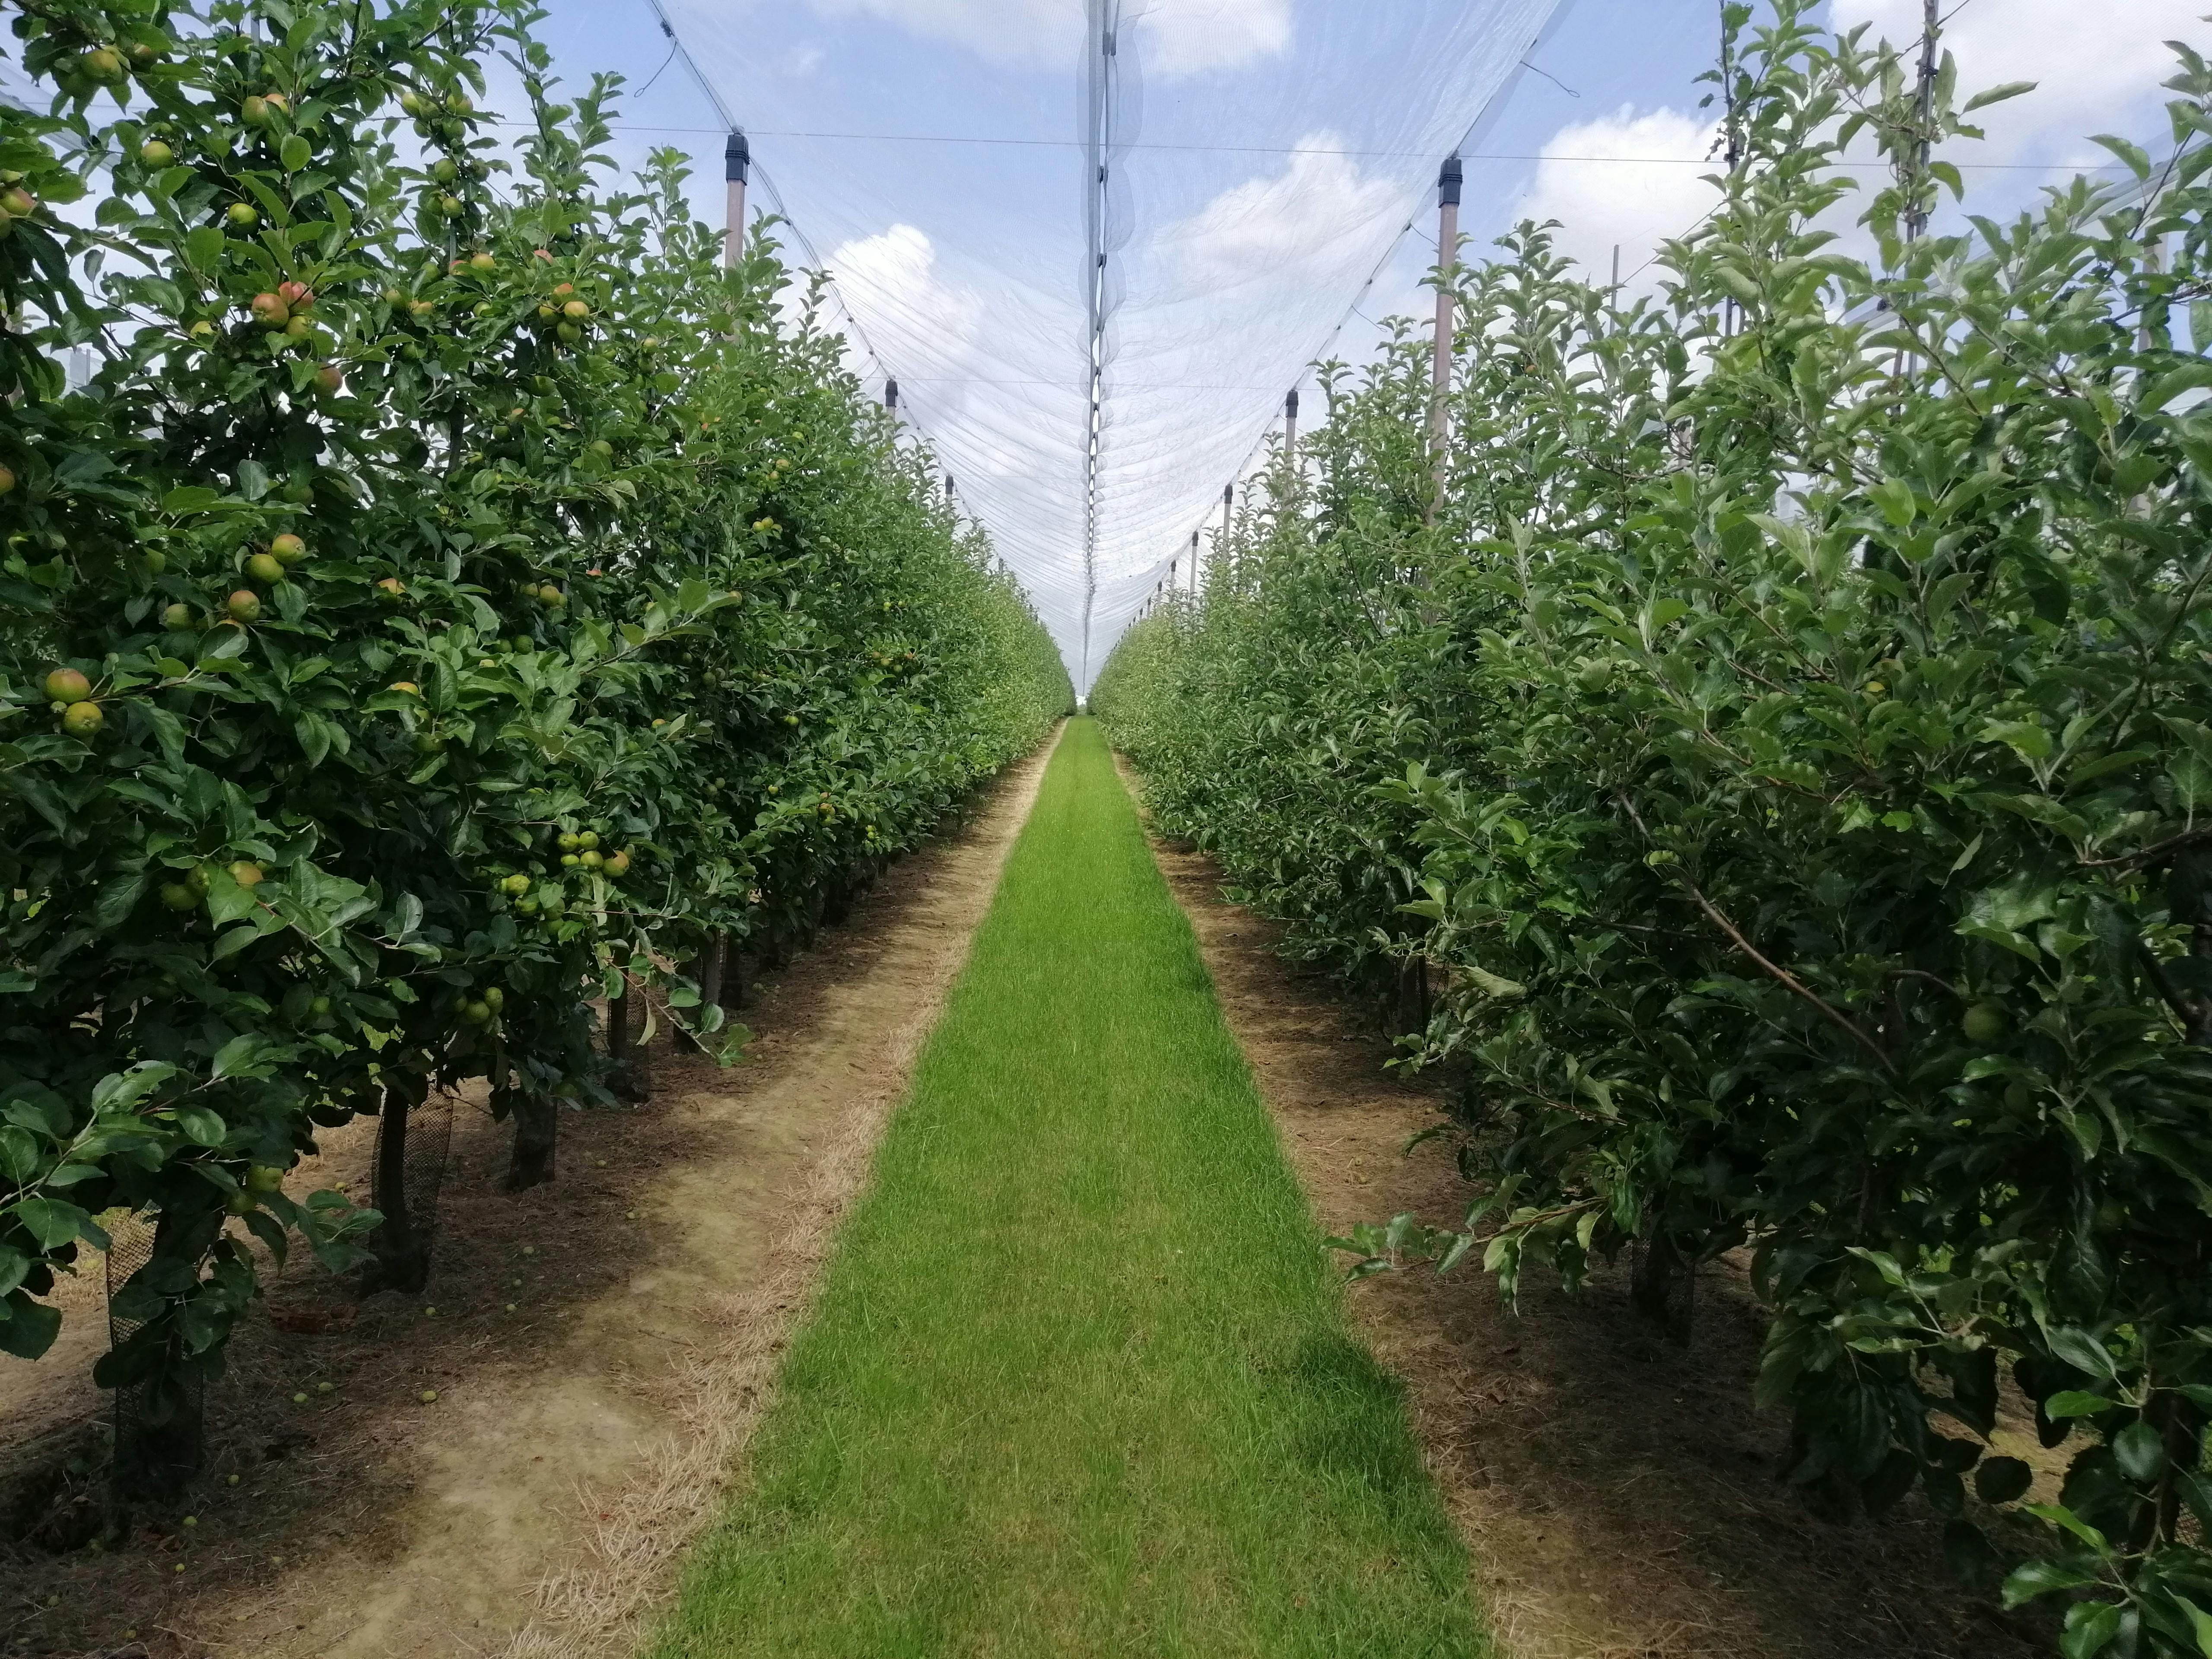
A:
x: 1448, y: 183
x: 736, y: 158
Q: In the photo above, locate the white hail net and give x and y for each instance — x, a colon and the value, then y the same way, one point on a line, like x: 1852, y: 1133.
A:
x: 1238, y: 168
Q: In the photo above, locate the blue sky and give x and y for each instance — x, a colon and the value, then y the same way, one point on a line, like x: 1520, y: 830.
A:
x: 1271, y: 154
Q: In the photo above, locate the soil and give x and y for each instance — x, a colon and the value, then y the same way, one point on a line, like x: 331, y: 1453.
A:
x: 598, y: 1348
x: 1619, y: 1496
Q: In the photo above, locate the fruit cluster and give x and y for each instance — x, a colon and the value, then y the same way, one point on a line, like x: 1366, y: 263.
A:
x: 386, y: 663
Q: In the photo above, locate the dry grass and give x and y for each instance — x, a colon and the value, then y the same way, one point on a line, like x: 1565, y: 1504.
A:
x: 632, y: 1536
x: 595, y: 1604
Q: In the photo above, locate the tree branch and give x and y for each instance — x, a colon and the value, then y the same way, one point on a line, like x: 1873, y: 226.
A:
x: 1780, y: 974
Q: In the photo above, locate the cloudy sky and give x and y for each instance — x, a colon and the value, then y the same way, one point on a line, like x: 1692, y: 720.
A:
x: 1269, y: 157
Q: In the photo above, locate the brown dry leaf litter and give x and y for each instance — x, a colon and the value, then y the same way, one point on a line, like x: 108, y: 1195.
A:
x: 1619, y: 1496
x: 538, y: 1505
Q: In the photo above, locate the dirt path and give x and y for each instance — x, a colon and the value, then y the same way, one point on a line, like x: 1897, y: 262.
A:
x: 598, y: 1348
x: 1619, y: 1497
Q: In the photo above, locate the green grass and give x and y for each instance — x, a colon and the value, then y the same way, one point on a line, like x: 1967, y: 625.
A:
x: 1078, y: 1381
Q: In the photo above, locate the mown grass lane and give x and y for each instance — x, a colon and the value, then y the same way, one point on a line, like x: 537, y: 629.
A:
x: 1078, y: 1381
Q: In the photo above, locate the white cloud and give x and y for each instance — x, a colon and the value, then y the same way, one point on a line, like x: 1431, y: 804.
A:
x: 934, y: 329
x: 2088, y: 79
x: 1197, y: 37
x: 894, y: 275
x: 1177, y: 38
x: 800, y: 62
x: 2090, y: 64
x: 1312, y: 223
x: 1639, y: 196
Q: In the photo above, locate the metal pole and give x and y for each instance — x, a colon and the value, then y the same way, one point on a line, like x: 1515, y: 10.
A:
x: 1923, y: 119
x: 2153, y: 261
x: 736, y: 163
x: 1228, y: 503
x: 1448, y: 188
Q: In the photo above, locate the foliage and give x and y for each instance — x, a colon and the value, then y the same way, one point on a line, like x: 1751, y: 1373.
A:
x: 1785, y: 747
x: 451, y: 587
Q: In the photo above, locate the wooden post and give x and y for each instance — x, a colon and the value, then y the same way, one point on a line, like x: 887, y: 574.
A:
x: 1291, y: 426
x: 1193, y: 564
x: 1448, y: 187
x: 890, y: 396
x: 737, y: 162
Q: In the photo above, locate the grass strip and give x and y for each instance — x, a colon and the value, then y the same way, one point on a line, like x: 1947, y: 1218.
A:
x: 1078, y: 1380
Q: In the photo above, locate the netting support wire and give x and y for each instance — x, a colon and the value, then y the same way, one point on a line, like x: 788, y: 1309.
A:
x: 1098, y: 138
x: 721, y: 109
x: 1556, y: 14
x: 736, y: 155
x: 1448, y: 190
x: 737, y: 170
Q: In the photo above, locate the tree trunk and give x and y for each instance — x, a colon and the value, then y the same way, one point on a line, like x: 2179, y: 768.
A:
x: 712, y: 957
x: 536, y: 1135
x: 709, y: 966
x: 2189, y: 901
x: 1663, y: 1287
x: 1409, y: 1011
x: 626, y: 1077
x: 737, y: 975
x: 2180, y: 1427
x: 161, y: 1425
x: 400, y: 1246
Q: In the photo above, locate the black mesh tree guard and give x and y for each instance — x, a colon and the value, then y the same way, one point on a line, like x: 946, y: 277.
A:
x: 161, y: 1425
